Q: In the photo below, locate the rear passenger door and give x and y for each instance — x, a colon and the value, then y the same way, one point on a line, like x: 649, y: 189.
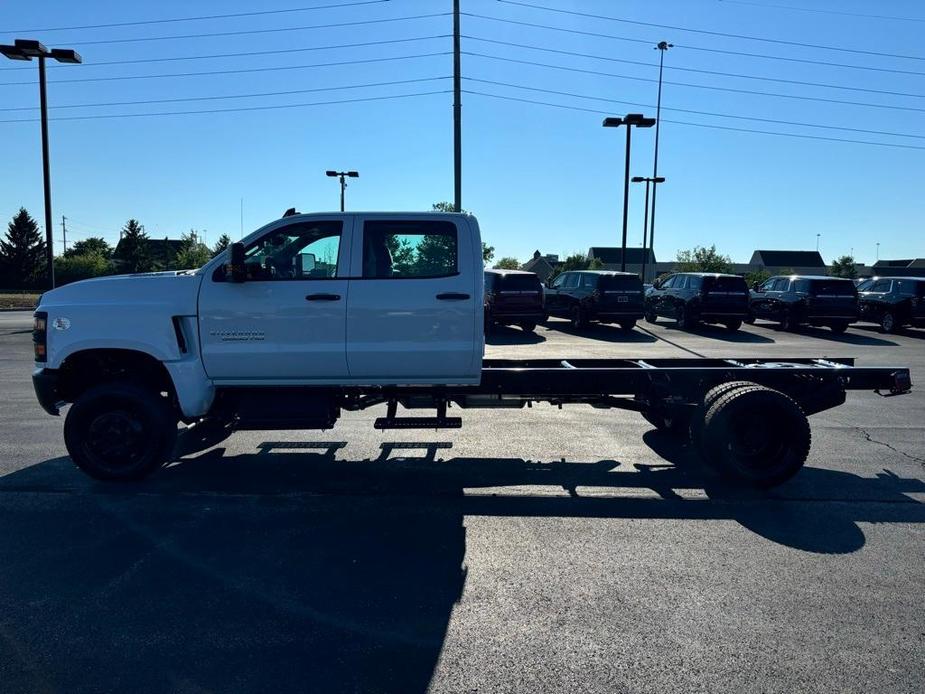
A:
x: 413, y: 311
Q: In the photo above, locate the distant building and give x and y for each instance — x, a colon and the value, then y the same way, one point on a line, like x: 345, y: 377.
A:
x: 798, y: 262
x: 545, y: 266
x: 906, y: 267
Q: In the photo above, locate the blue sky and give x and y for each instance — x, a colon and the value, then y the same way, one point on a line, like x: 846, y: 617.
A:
x: 536, y: 176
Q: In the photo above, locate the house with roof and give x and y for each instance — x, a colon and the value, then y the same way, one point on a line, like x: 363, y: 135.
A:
x: 612, y: 258
x: 904, y: 267
x: 544, y: 266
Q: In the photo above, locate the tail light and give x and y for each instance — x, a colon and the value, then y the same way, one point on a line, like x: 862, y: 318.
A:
x: 40, y: 335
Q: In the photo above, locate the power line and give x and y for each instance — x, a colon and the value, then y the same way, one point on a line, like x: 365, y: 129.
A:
x: 704, y: 72
x: 231, y: 110
x: 701, y: 86
x: 763, y: 56
x: 168, y: 59
x: 704, y: 125
x: 259, y: 31
x: 238, y: 71
x: 707, y: 32
x: 700, y: 113
x: 232, y: 96
x: 821, y: 11
x: 203, y: 17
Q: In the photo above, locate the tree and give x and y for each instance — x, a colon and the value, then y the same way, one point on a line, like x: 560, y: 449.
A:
x: 576, y: 261
x: 596, y: 264
x: 757, y: 277
x: 703, y: 259
x: 844, y: 267
x: 507, y: 263
x: 22, y: 254
x: 73, y: 268
x: 223, y: 242
x: 133, y: 250
x: 94, y: 245
x: 193, y: 253
x: 488, y: 252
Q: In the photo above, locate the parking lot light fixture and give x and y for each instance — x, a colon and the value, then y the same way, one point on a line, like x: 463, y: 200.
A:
x: 343, y: 175
x: 27, y: 49
x: 629, y: 120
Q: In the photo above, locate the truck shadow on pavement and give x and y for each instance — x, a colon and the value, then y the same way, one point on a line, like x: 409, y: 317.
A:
x: 507, y: 335
x: 292, y: 569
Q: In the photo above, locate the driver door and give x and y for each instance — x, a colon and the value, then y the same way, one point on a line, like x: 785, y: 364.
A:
x: 288, y: 320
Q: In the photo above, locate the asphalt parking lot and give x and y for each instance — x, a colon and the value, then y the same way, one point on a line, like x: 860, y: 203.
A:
x: 534, y: 551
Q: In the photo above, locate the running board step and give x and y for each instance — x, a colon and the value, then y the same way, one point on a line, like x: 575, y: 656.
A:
x: 418, y: 423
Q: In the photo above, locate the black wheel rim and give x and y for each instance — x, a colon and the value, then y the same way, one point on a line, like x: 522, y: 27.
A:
x: 758, y: 444
x: 117, y: 440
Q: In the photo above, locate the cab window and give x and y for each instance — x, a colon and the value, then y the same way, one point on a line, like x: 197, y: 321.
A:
x: 396, y: 249
x: 571, y: 280
x: 306, y: 251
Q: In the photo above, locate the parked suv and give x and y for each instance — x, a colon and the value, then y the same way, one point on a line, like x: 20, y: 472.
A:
x: 806, y: 300
x: 596, y: 295
x: 691, y: 297
x: 513, y: 297
x: 893, y: 302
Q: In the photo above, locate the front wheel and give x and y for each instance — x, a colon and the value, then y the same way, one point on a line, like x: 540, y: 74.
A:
x: 839, y: 327
x: 627, y: 325
x: 528, y: 327
x: 733, y: 325
x: 651, y: 316
x: 120, y: 432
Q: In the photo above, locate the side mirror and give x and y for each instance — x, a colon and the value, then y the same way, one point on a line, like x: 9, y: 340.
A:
x: 235, y: 270
x: 756, y: 287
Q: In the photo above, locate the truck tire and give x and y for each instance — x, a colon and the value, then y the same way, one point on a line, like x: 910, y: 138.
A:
x: 839, y: 327
x: 684, y: 318
x: 756, y: 436
x: 787, y: 323
x: 120, y: 432
x: 750, y: 318
x: 711, y: 396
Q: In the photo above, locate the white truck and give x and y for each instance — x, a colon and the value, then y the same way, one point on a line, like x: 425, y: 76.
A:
x: 314, y: 314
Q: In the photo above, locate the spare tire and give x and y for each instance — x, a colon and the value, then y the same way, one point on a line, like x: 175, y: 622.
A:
x: 756, y: 436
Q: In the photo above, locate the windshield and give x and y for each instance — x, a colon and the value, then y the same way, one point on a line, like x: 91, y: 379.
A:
x: 616, y: 282
x: 520, y: 283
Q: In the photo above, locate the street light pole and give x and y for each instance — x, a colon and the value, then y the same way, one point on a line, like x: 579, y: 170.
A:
x: 457, y: 114
x: 629, y: 120
x: 27, y: 49
x: 343, y: 175
x: 817, y: 242
x: 661, y: 47
x: 645, y: 219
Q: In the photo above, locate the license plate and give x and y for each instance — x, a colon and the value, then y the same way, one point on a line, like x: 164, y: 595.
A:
x: 622, y: 299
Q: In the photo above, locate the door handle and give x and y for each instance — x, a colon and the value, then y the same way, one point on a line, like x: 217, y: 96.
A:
x: 452, y: 296
x: 323, y: 297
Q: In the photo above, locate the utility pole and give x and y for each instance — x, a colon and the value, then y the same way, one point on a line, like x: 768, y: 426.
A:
x: 661, y: 48
x: 457, y: 114
x: 64, y: 232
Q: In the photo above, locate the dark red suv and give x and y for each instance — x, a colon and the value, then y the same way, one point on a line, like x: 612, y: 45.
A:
x: 513, y: 297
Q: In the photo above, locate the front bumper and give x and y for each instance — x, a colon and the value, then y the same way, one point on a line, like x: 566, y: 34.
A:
x: 45, y: 382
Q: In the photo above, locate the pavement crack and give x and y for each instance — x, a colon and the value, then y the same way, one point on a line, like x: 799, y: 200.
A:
x: 893, y: 448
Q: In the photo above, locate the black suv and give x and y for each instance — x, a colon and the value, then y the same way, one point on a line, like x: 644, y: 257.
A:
x: 691, y: 297
x: 893, y: 302
x: 513, y: 297
x: 806, y: 300
x: 596, y: 295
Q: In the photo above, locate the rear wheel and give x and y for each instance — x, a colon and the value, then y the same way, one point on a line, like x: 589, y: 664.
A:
x: 627, y: 325
x: 839, y: 327
x: 786, y: 321
x: 888, y: 322
x: 750, y: 319
x: 684, y: 318
x: 712, y: 395
x: 528, y: 327
x: 756, y: 436
x: 577, y: 318
x: 733, y: 325
x: 120, y: 432
x: 650, y: 316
